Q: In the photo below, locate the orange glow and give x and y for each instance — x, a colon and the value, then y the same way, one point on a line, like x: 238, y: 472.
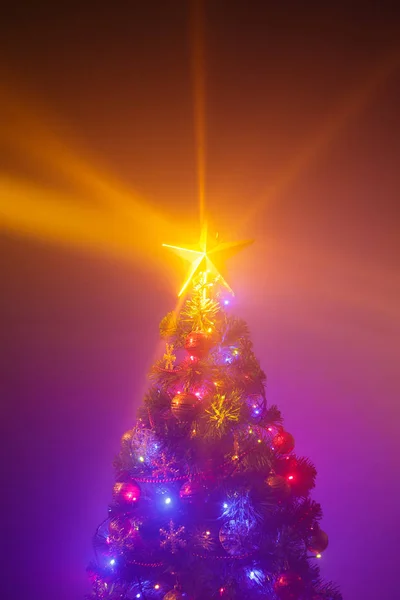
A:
x: 198, y: 75
x: 100, y: 214
x: 351, y: 106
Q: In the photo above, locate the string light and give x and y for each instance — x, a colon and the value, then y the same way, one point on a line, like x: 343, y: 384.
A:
x: 257, y: 576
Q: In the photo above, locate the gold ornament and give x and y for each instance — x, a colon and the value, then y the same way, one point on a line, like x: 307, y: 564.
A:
x: 184, y: 406
x: 201, y: 312
x: 204, y: 540
x: 173, y: 538
x: 223, y: 411
x: 203, y: 260
x: 169, y: 357
x: 175, y: 594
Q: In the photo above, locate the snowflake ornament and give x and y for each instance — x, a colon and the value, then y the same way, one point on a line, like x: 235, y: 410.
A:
x: 163, y: 467
x: 173, y: 538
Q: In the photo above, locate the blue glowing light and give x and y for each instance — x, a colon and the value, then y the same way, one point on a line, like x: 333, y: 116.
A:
x: 138, y: 595
x: 168, y: 500
x: 225, y: 505
x: 257, y: 576
x: 112, y: 562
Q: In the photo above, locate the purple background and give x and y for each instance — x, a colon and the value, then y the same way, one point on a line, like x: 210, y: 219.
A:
x: 303, y: 147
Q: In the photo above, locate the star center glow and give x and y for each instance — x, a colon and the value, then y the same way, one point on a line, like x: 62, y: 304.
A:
x: 203, y: 260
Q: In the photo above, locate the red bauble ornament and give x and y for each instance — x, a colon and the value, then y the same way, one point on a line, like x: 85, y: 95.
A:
x: 192, y: 491
x: 126, y: 492
x: 283, y: 442
x: 289, y: 586
x: 279, y: 486
x: 198, y: 344
x: 184, y: 406
x: 318, y: 542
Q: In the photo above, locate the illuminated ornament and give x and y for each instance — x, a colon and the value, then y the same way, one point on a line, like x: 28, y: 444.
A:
x: 198, y: 344
x: 108, y: 590
x: 126, y: 492
x: 192, y: 491
x: 283, y: 442
x: 119, y: 528
x: 173, y: 538
x: 176, y: 594
x: 236, y: 537
x: 169, y: 357
x: 204, y: 259
x: 144, y: 445
x: 279, y: 486
x: 289, y: 586
x: 127, y: 437
x: 184, y: 406
x: 318, y: 542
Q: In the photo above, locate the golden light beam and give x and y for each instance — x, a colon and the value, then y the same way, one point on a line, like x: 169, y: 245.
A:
x: 33, y: 212
x: 24, y: 132
x: 198, y: 76
x: 352, y: 105
x: 193, y: 270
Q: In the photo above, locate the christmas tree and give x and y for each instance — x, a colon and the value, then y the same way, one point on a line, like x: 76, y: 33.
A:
x: 210, y: 500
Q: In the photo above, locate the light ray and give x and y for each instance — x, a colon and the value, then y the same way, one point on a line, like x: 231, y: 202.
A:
x: 28, y: 209
x: 192, y: 272
x: 351, y: 106
x: 198, y: 75
x: 33, y: 212
x: 24, y: 132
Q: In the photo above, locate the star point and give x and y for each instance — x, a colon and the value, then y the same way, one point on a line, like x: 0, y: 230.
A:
x: 204, y: 259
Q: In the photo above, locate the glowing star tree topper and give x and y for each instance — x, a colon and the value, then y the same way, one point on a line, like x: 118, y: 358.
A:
x: 205, y: 259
